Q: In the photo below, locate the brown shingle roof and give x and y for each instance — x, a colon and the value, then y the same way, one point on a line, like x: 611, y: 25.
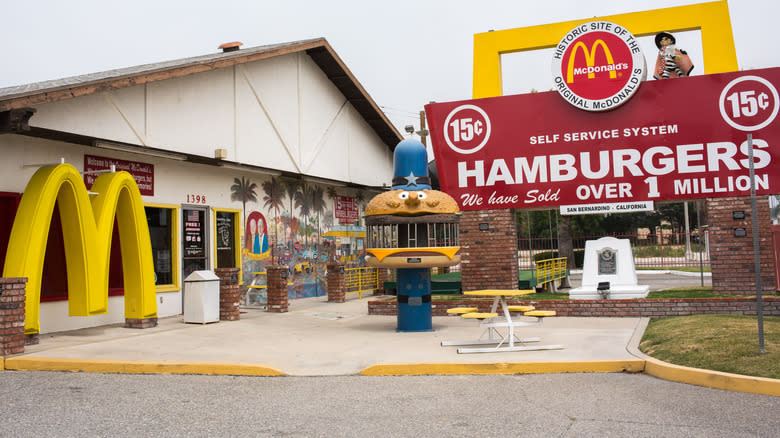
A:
x: 318, y: 49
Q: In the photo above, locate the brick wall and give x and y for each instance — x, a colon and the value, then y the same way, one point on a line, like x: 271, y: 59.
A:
x: 278, y: 300
x: 12, y: 296
x: 610, y: 308
x: 382, y: 275
x: 336, y: 288
x: 732, y: 258
x: 488, y: 255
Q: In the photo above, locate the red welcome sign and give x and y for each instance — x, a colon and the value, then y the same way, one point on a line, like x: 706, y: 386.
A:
x: 675, y: 139
x: 143, y: 173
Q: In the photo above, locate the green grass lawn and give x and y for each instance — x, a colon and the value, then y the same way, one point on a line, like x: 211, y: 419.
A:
x: 727, y: 343
x: 685, y: 292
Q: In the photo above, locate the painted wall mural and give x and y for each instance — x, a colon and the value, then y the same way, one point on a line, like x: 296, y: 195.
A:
x: 293, y: 223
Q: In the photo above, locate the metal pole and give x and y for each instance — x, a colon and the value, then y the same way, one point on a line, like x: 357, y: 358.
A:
x: 701, y: 243
x: 756, y: 254
x: 423, y: 134
x: 687, y: 231
x: 528, y: 229
x: 549, y: 227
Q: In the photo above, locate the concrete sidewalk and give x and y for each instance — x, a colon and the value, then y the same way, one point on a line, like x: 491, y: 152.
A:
x: 321, y: 338
x: 317, y: 338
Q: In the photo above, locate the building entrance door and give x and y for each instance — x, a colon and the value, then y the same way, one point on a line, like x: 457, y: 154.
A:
x: 195, y: 238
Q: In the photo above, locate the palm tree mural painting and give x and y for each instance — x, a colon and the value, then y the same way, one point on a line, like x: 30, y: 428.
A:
x: 303, y: 200
x: 360, y: 197
x: 274, y: 194
x: 318, y: 207
x: 243, y: 190
x: 291, y: 188
x: 331, y: 191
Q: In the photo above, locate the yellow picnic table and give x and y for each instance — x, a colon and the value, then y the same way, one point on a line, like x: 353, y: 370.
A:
x: 491, y: 321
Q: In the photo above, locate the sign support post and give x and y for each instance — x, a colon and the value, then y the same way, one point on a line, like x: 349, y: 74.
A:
x: 756, y: 254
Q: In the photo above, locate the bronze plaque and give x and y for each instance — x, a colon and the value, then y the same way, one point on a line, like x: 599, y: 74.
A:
x: 607, y: 262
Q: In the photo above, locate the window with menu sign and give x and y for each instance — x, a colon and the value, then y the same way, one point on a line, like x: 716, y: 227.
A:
x: 226, y: 239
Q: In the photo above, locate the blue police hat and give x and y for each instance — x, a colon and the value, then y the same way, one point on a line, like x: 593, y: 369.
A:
x: 410, y: 166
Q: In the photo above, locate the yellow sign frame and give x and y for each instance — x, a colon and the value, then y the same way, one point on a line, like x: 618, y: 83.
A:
x: 712, y: 19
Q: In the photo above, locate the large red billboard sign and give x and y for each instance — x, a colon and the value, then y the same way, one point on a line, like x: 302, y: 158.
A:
x: 675, y: 139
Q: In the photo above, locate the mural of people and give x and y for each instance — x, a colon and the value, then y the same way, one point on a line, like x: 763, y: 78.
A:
x: 256, y: 240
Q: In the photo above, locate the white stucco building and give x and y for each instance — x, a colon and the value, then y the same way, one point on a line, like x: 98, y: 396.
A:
x: 248, y: 148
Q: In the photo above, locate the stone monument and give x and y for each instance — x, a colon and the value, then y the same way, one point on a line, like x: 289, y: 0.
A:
x: 608, y: 272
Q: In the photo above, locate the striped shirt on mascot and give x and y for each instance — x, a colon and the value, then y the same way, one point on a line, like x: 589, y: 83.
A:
x: 671, y: 61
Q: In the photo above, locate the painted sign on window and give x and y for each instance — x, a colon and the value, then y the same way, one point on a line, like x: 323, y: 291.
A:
x: 194, y: 239
x: 225, y: 243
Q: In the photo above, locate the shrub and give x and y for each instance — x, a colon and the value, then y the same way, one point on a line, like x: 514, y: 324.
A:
x: 579, y: 256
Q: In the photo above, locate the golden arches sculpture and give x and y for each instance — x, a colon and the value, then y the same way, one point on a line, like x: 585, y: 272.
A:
x: 87, y: 225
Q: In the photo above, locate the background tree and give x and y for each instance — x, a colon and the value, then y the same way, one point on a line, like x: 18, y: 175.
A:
x: 566, y: 246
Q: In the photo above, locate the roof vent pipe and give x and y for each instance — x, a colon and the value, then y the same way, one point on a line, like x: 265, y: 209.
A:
x: 230, y: 47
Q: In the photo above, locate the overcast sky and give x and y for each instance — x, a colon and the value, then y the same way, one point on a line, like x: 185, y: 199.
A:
x: 405, y: 53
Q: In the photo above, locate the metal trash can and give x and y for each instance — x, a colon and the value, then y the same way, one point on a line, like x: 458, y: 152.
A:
x: 201, y: 297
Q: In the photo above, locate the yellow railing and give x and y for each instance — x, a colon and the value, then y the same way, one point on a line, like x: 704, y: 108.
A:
x: 359, y: 280
x: 550, y: 270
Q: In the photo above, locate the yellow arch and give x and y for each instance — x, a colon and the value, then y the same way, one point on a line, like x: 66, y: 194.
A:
x: 712, y: 19
x: 87, y: 225
x: 590, y: 59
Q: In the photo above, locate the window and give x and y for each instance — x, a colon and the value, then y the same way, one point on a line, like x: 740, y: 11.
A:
x: 163, y: 229
x: 8, y: 205
x: 226, y: 234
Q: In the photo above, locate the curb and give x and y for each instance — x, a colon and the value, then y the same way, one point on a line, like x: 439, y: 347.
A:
x: 27, y: 363
x: 601, y: 366
x: 697, y: 376
x: 712, y: 379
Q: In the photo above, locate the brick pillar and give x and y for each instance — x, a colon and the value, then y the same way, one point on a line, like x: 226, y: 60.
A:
x: 229, y: 294
x: 488, y: 240
x: 336, y: 288
x: 12, y: 296
x: 278, y: 301
x: 732, y: 258
x: 382, y: 276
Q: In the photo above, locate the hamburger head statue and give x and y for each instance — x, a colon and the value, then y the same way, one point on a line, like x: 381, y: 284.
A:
x: 412, y: 228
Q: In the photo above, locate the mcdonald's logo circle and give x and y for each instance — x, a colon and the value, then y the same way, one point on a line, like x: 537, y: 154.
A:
x: 598, y: 66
